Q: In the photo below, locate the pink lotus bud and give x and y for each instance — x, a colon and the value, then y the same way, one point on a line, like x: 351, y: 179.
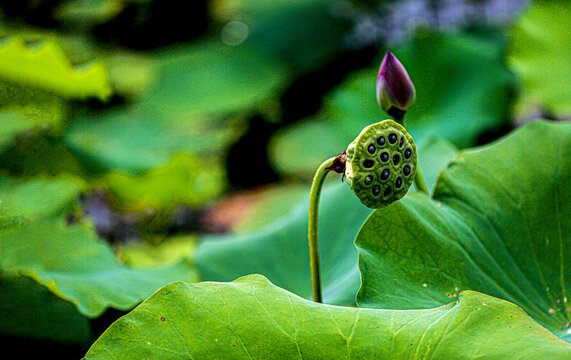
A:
x: 395, y: 90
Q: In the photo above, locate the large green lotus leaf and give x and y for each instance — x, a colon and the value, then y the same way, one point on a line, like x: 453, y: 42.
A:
x: 36, y: 242
x: 191, y: 108
x: 498, y: 223
x: 279, y: 250
x: 185, y: 180
x: 253, y: 319
x: 461, y: 85
x: 540, y: 53
x: 46, y: 67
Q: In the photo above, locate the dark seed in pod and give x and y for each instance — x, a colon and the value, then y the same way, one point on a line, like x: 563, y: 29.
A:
x: 401, y: 142
x: 385, y: 174
x: 368, y: 180
x: 371, y: 149
x: 385, y: 157
x: 381, y: 141
x: 398, y: 183
x: 396, y: 159
x: 368, y: 163
x: 393, y: 138
x: 406, y: 171
x: 387, y: 191
x: 407, y: 153
x: 376, y: 190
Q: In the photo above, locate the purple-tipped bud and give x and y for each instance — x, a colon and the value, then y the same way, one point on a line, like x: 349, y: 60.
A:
x: 395, y: 90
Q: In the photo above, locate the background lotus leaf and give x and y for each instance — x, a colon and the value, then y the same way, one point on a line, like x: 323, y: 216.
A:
x: 190, y: 108
x: 539, y: 52
x: 45, y: 66
x: 40, y: 240
x: 184, y: 180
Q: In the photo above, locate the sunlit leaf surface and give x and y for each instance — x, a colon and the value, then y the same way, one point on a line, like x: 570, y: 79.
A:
x: 253, y: 319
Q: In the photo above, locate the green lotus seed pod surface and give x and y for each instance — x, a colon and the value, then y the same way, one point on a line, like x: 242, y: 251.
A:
x: 381, y: 164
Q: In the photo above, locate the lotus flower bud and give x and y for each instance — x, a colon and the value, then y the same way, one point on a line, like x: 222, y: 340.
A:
x: 395, y: 90
x: 381, y: 164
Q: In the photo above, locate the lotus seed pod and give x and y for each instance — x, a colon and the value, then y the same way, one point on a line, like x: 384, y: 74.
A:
x: 381, y: 164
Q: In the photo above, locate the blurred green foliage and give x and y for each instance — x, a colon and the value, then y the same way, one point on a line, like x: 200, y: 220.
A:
x: 540, y: 53
x: 41, y: 240
x: 44, y: 66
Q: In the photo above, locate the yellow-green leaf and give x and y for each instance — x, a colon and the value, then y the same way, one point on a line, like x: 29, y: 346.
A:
x: 44, y: 65
x: 254, y: 319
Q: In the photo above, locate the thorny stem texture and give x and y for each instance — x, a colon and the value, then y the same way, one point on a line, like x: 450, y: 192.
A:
x: 312, y: 234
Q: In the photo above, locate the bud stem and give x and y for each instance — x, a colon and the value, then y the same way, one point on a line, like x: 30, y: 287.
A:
x: 419, y: 181
x: 312, y: 234
x: 418, y: 178
x: 398, y: 115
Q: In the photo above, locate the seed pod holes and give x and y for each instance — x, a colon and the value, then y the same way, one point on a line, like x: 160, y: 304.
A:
x: 368, y: 180
x: 385, y: 174
x: 379, y: 178
x: 392, y: 138
x: 406, y: 170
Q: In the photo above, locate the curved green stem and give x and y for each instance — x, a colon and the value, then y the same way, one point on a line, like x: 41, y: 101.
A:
x: 312, y: 235
x: 419, y: 181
